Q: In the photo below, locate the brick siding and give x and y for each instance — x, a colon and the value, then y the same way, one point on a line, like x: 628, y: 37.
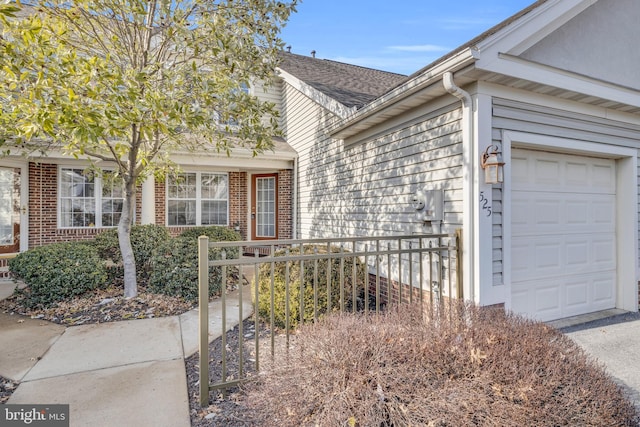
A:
x: 43, y: 209
x: 285, y: 204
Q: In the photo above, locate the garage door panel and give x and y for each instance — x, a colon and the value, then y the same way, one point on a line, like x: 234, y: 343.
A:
x: 541, y: 300
x: 603, y: 211
x: 563, y: 234
x: 558, y: 297
x: 547, y: 298
x: 577, y: 213
x: 537, y: 213
x: 577, y: 252
x: 546, y: 256
x: 520, y: 258
x: 603, y: 252
x: 577, y: 173
x: 603, y: 291
x: 533, y: 170
x: 603, y: 176
x: 546, y: 171
x: 577, y: 295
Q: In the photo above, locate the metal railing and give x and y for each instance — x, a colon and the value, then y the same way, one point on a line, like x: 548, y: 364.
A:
x: 360, y: 274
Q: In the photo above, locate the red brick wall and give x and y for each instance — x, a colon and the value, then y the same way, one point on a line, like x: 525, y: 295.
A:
x: 43, y: 206
x: 400, y: 293
x: 238, y: 202
x: 285, y: 204
x: 160, y: 191
x: 43, y: 209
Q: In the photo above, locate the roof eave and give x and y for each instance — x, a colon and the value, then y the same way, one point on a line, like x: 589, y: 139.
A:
x: 325, y: 101
x: 371, y: 114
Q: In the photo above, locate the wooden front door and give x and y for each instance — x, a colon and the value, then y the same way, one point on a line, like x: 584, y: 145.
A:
x: 10, y: 209
x: 264, y: 207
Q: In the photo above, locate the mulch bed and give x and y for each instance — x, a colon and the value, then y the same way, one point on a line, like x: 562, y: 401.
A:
x: 224, y: 409
x: 7, y: 387
x: 101, y: 305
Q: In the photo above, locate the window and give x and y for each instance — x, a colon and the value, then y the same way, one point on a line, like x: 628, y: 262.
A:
x: 89, y: 200
x: 198, y: 198
x: 231, y: 120
x: 265, y: 206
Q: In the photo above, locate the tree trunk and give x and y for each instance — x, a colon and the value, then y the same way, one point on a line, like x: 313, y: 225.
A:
x: 124, y: 238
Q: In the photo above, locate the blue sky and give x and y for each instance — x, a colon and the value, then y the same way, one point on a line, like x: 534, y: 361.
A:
x: 392, y: 35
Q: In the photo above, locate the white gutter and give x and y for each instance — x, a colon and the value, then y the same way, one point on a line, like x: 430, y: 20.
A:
x: 468, y: 206
x: 404, y: 91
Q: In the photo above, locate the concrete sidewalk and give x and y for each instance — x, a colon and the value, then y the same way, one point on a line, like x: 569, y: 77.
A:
x: 119, y: 373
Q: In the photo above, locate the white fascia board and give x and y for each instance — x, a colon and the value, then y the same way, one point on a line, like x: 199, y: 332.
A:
x: 551, y: 76
x: 410, y: 88
x: 529, y: 29
x: 238, y: 161
x: 323, y: 100
x: 233, y: 163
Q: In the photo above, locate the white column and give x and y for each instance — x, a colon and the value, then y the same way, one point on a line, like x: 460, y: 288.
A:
x: 483, y: 215
x: 148, y: 208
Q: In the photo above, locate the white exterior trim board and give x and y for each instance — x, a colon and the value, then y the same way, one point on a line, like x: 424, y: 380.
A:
x: 14, y: 162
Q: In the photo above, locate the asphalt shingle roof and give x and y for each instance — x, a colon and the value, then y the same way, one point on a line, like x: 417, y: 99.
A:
x: 351, y: 85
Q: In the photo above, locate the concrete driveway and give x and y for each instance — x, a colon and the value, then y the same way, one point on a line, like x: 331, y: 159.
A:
x: 614, y: 342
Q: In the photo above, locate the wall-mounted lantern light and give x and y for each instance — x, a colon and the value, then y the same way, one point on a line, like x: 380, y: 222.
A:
x: 493, y: 165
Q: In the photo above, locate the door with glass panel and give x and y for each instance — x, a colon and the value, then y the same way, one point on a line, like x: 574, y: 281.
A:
x: 264, y: 207
x: 10, y: 209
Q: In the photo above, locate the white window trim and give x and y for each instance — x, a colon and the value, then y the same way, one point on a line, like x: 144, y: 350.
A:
x: 198, y: 199
x: 97, y: 197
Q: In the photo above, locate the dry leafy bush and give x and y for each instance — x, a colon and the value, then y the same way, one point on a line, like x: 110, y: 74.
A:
x: 464, y: 367
x: 313, y: 287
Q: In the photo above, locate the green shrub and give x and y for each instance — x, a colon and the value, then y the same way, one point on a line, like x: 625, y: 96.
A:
x: 144, y: 240
x: 468, y: 366
x: 310, y: 305
x: 215, y: 233
x: 58, y: 272
x: 174, y: 265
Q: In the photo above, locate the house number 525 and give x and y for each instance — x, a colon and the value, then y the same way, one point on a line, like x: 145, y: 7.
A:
x: 484, y: 203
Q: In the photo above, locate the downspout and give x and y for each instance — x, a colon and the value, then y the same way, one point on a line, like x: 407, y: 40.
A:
x: 468, y: 205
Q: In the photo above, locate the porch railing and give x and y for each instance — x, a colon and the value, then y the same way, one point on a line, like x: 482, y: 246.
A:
x: 372, y: 272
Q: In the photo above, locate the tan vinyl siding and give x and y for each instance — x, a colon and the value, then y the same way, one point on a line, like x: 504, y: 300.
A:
x: 365, y: 189
x: 270, y: 93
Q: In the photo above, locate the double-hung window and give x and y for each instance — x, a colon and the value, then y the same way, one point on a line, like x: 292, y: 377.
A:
x: 198, y: 198
x: 88, y: 199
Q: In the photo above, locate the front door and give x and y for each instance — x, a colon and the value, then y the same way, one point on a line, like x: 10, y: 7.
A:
x: 10, y: 209
x: 264, y: 207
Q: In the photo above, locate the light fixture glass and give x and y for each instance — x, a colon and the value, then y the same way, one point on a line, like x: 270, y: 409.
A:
x: 493, y: 165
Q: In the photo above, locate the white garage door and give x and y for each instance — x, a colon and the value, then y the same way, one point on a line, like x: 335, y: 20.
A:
x: 563, y: 246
